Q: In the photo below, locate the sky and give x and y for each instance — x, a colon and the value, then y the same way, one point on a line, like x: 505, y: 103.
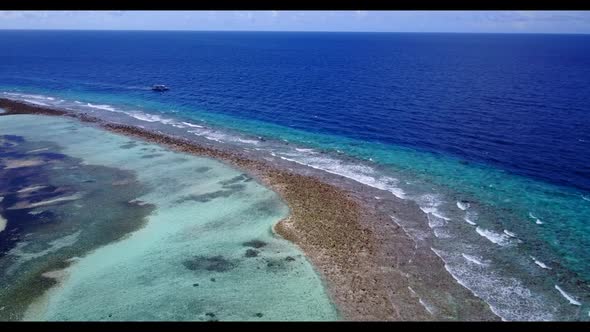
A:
x: 365, y: 21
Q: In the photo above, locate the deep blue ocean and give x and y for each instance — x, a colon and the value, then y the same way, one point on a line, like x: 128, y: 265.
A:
x: 498, y: 120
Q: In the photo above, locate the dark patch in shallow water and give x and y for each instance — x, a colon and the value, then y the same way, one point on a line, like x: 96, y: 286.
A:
x: 203, y: 198
x: 230, y: 187
x: 202, y: 169
x: 206, y: 197
x: 153, y: 155
x: 235, y: 187
x: 254, y: 244
x: 274, y: 265
x: 128, y: 145
x: 251, y: 253
x: 214, y: 263
x: 277, y: 264
x: 266, y: 207
x: 236, y: 179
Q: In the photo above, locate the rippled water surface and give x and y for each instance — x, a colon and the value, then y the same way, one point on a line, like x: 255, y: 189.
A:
x: 488, y: 134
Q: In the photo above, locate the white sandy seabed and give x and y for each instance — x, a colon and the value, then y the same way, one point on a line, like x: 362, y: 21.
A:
x: 145, y: 275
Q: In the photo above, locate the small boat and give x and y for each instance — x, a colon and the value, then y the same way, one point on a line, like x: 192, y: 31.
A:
x: 160, y: 87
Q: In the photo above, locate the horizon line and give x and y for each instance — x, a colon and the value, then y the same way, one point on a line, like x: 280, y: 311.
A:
x: 305, y: 31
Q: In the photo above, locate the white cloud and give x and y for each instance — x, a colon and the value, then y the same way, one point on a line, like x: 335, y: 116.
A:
x: 403, y: 21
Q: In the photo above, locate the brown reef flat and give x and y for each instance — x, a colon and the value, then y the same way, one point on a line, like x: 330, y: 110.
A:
x: 367, y: 261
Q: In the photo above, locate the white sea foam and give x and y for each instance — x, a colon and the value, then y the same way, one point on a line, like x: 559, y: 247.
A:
x: 359, y: 173
x: 149, y: 117
x: 494, y: 237
x: 428, y: 203
x: 215, y: 137
x: 509, y: 233
x: 470, y: 222
x: 463, y: 205
x: 537, y: 220
x: 585, y: 198
x: 434, y: 221
x: 102, y: 107
x: 427, y: 306
x: 474, y: 259
x: 247, y: 141
x: 438, y: 215
x: 541, y: 264
x: 304, y: 150
x: 192, y: 125
x: 471, y: 217
x: 219, y: 136
x: 507, y: 297
x: 441, y: 233
x: 426, y: 210
x: 567, y: 296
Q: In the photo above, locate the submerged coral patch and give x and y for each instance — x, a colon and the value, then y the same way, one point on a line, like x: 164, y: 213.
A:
x: 236, y: 179
x: 214, y: 263
x: 153, y: 155
x: 206, y: 197
x: 254, y: 244
x: 203, y: 198
x: 128, y: 145
x: 251, y: 253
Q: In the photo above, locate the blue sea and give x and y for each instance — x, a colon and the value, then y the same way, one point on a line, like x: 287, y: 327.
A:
x: 488, y: 133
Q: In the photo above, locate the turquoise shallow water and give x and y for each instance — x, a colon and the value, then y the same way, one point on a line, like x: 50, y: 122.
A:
x: 527, y: 239
x: 206, y: 252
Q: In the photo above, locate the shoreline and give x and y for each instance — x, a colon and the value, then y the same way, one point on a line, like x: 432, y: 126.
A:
x: 366, y: 261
